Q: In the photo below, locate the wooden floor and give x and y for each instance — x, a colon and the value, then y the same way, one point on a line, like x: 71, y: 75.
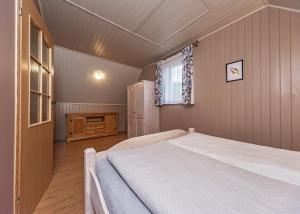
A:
x: 65, y: 192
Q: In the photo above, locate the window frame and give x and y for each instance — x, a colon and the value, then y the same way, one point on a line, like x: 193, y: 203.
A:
x: 42, y: 67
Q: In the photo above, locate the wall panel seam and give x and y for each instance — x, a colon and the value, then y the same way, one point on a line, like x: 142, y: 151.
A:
x: 271, y: 131
x: 252, y: 80
x: 260, y: 76
x: 279, y: 28
x: 291, y: 81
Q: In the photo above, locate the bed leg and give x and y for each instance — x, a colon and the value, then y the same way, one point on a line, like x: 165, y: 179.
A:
x: 89, y: 164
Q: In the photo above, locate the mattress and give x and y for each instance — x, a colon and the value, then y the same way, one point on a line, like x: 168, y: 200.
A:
x: 119, y: 198
x: 197, y: 173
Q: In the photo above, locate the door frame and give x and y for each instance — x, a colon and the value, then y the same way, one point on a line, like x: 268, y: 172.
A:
x: 20, y: 16
x: 18, y: 42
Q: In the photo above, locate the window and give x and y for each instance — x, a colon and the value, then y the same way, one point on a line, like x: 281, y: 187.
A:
x: 172, y: 79
x: 40, y: 77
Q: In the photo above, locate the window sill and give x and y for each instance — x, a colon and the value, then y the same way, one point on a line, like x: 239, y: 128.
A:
x: 172, y: 104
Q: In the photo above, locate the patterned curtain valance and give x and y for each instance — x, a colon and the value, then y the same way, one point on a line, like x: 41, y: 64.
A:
x: 187, y: 76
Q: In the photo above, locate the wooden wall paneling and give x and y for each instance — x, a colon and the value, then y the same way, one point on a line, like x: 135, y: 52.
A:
x: 285, y: 72
x: 275, y: 78
x: 203, y: 90
x: 222, y: 84
x: 179, y: 116
x: 212, y: 106
x: 248, y: 78
x: 234, y: 85
x: 295, y: 77
x: 216, y: 96
x: 256, y: 79
x: 267, y: 101
x: 228, y: 59
x: 241, y: 84
x: 206, y: 70
x: 265, y: 77
x: 218, y: 84
x: 197, y: 90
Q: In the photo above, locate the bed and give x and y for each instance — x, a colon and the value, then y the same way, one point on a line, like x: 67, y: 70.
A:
x: 188, y: 172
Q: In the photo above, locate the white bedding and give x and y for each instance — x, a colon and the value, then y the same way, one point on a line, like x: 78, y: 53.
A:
x: 202, y: 174
x: 283, y: 165
x: 142, y: 141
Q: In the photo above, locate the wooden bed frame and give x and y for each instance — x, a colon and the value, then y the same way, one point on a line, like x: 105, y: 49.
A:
x: 93, y: 196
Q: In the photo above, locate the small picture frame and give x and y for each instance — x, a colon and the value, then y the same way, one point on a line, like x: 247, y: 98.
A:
x: 234, y: 71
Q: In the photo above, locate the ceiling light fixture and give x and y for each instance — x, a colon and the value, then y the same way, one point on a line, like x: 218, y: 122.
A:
x: 98, y: 75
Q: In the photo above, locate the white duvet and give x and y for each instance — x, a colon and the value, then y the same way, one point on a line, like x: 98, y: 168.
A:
x: 202, y: 174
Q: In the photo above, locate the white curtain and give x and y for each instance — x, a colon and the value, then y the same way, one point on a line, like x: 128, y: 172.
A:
x: 172, y: 79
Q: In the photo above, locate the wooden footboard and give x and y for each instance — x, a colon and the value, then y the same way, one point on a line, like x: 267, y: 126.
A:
x: 93, y: 197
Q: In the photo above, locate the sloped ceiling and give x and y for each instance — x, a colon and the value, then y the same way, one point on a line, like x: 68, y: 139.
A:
x: 75, y: 83
x: 292, y: 4
x: 137, y: 32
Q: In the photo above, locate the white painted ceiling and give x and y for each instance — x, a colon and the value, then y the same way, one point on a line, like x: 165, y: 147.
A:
x: 137, y: 32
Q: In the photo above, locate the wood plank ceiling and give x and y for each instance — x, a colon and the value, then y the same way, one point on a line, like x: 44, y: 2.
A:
x: 137, y: 32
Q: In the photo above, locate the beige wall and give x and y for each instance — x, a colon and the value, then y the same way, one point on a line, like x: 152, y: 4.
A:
x: 77, y: 90
x: 7, y: 97
x: 148, y: 73
x: 74, y: 81
x: 264, y: 108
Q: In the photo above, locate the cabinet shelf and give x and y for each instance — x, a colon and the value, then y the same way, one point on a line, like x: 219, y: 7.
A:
x: 95, y: 119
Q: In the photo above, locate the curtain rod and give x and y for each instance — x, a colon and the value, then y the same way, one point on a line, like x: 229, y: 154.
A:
x: 195, y: 44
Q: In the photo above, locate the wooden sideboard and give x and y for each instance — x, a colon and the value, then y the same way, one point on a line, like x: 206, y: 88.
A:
x: 91, y: 125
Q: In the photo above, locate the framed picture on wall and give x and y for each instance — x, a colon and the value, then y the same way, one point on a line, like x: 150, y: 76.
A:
x: 234, y: 71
